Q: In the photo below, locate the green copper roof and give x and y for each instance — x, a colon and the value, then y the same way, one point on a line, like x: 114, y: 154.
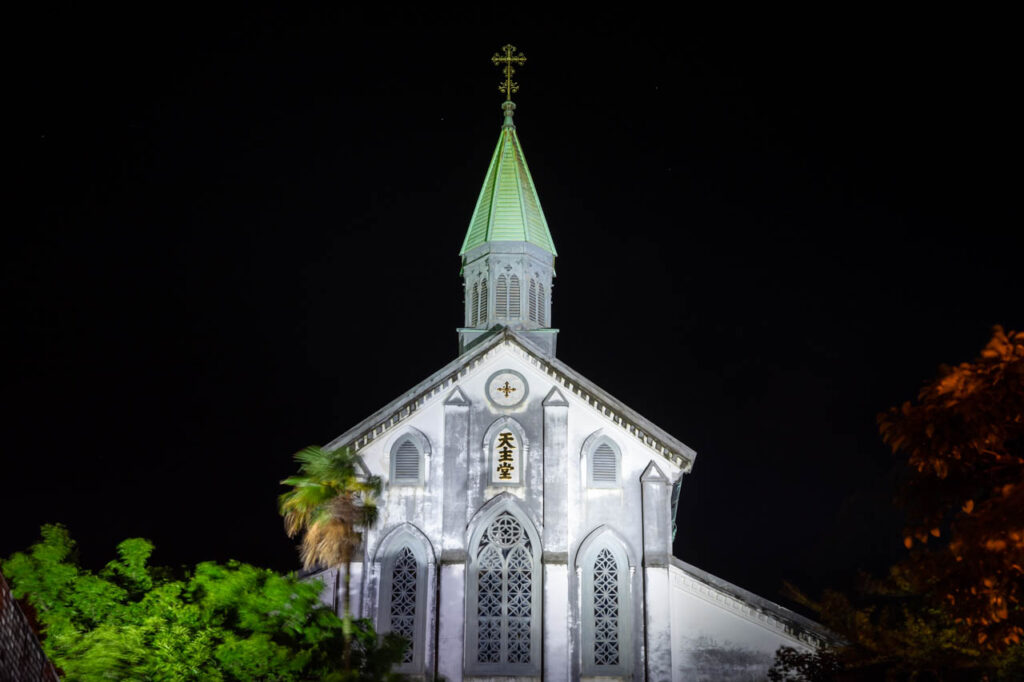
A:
x: 508, y: 209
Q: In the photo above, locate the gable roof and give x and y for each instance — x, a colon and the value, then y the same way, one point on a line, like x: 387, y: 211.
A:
x: 397, y: 411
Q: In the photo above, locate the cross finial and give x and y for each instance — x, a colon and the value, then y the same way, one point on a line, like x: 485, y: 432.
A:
x: 510, y: 58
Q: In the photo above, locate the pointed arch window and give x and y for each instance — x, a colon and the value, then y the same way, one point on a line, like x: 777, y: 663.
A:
x: 482, y: 321
x: 514, y: 309
x: 606, y: 613
x: 501, y: 297
x: 503, y: 599
x: 533, y: 300
x: 474, y: 309
x: 542, y: 305
x: 403, y: 595
x: 407, y: 459
x: 604, y: 462
x: 402, y: 609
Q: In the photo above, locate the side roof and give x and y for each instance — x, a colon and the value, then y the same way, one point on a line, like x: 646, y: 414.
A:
x: 793, y: 623
x: 397, y: 411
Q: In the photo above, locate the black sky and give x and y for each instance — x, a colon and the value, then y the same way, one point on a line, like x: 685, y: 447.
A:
x: 241, y: 231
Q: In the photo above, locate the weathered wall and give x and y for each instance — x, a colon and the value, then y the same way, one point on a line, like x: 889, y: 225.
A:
x: 688, y: 634
x: 718, y: 638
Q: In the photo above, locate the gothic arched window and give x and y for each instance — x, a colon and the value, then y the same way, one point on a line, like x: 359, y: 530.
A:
x: 542, y: 305
x: 402, y: 610
x: 606, y: 636
x: 514, y: 309
x: 603, y: 464
x: 503, y: 598
x: 533, y: 300
x: 474, y: 308
x: 483, y: 303
x: 501, y: 297
x: 403, y: 594
x: 407, y: 459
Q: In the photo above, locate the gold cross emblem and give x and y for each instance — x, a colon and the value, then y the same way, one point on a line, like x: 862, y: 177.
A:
x: 509, y: 86
x: 506, y: 389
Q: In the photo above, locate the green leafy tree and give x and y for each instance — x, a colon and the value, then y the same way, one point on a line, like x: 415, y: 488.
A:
x: 133, y: 621
x: 951, y: 610
x: 330, y: 502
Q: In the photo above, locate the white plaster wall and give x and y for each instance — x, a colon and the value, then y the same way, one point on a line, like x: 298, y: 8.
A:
x: 451, y: 630
x: 556, y: 621
x: 712, y: 642
x: 703, y: 635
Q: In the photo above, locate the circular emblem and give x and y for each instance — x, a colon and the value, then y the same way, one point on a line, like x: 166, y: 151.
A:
x: 506, y: 388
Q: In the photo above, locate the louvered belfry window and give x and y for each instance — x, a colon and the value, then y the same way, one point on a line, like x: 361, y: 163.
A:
x: 405, y: 463
x: 533, y: 300
x: 402, y: 612
x: 504, y: 591
x: 604, y: 465
x: 606, y: 609
x: 483, y: 303
x: 514, y: 309
x: 501, y: 297
x: 542, y: 305
x: 474, y: 310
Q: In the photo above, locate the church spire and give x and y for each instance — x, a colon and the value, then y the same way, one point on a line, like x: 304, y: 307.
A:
x: 508, y: 255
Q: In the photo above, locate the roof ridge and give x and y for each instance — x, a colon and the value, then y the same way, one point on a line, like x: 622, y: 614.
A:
x: 396, y: 411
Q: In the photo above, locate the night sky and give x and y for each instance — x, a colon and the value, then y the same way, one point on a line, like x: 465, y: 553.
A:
x: 240, y: 237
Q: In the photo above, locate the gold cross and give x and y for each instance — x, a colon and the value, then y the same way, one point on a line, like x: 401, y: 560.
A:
x: 506, y: 389
x: 509, y: 86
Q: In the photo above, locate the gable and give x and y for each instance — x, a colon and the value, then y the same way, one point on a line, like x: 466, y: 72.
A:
x: 463, y: 378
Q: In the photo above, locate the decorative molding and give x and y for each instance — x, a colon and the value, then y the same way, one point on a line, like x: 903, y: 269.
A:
x: 654, y: 474
x: 376, y: 426
x: 555, y: 399
x: 457, y: 398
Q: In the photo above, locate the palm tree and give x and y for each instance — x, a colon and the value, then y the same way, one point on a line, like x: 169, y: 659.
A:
x: 329, y: 503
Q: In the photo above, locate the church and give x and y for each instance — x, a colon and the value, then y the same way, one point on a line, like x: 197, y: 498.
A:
x: 527, y: 517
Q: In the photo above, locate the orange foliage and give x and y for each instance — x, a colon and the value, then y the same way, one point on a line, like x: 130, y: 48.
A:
x: 964, y: 443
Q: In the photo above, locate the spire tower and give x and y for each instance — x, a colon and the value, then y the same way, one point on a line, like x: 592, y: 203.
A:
x: 508, y: 256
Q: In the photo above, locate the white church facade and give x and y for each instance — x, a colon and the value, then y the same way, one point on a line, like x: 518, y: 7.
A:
x: 526, y: 523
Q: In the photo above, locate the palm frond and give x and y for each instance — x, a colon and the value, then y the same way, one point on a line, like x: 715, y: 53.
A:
x: 328, y: 502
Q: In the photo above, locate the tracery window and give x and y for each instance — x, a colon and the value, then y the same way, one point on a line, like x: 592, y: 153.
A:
x: 606, y: 608
x: 404, y: 567
x: 402, y: 612
x: 505, y: 581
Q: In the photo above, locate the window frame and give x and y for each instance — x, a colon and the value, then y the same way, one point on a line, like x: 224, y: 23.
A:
x: 601, y: 539
x: 404, y: 536
x: 423, y: 449
x: 594, y: 442
x: 488, y: 515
